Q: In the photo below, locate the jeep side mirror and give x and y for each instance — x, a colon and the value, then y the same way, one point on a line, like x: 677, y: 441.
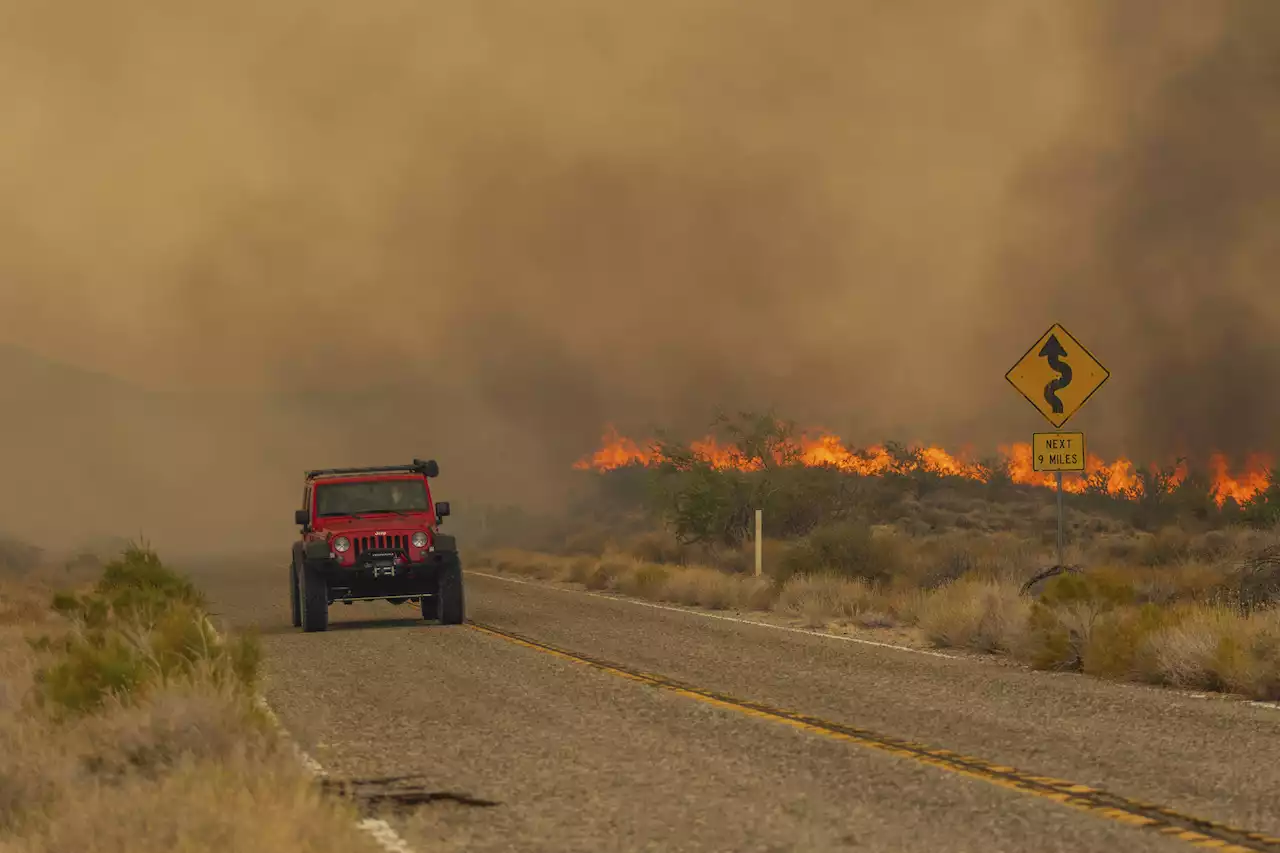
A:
x: 301, y: 517
x: 442, y: 509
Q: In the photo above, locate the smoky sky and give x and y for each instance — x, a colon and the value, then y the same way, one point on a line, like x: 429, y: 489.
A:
x: 311, y: 233
x: 1153, y: 230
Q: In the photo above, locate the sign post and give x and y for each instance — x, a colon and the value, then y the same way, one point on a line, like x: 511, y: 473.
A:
x: 1057, y: 376
x: 1058, y: 452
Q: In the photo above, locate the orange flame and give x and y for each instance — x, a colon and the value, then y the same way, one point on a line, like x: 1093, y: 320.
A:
x: 1119, y: 477
x: 616, y: 451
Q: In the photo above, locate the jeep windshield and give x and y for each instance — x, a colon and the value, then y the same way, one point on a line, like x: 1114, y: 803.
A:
x: 397, y: 496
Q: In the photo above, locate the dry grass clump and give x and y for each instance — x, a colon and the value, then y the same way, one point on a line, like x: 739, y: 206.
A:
x: 982, y: 615
x: 134, y: 729
x: 1213, y: 648
x: 819, y: 599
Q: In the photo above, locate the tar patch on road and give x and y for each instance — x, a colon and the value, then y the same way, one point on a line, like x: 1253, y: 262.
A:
x: 1198, y: 832
x: 396, y: 794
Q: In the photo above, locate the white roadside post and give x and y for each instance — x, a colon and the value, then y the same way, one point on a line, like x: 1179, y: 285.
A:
x: 759, y: 542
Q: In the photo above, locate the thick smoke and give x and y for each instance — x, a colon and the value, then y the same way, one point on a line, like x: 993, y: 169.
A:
x: 1154, y: 229
x: 329, y: 233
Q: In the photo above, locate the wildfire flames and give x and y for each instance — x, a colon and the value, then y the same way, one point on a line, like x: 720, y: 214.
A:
x: 1118, y: 477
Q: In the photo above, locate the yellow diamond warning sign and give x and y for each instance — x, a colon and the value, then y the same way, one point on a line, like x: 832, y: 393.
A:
x: 1057, y: 375
x: 1057, y: 451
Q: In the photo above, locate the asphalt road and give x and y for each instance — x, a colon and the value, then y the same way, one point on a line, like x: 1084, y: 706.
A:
x: 548, y: 753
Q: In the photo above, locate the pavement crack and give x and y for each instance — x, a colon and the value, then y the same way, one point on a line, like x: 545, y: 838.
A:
x: 395, y: 792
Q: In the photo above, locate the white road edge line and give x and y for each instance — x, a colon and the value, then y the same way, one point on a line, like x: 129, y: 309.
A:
x: 381, y: 831
x: 740, y: 621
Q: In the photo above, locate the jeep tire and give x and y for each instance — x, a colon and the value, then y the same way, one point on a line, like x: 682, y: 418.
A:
x: 448, y: 605
x: 315, y: 600
x: 295, y: 598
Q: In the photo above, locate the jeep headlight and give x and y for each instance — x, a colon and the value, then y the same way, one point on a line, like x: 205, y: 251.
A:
x: 419, y: 540
x: 342, y: 544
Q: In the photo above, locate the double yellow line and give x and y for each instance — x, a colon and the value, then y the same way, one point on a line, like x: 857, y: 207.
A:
x: 1193, y: 830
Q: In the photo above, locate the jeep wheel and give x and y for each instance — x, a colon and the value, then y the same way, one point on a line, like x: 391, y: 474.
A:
x: 449, y: 604
x: 295, y: 601
x: 315, y: 600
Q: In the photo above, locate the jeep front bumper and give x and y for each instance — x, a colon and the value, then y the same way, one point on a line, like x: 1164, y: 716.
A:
x: 375, y: 576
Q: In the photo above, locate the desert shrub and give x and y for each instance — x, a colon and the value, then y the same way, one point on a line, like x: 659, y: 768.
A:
x: 657, y: 547
x: 949, y: 557
x: 1164, y: 547
x: 819, y: 598
x: 144, y: 624
x: 1061, y: 623
x: 1117, y: 645
x: 1216, y: 648
x: 605, y: 574
x: 982, y: 615
x: 138, y: 580
x: 1051, y: 642
x: 707, y: 587
x: 647, y: 580
x: 581, y: 569
x: 846, y: 549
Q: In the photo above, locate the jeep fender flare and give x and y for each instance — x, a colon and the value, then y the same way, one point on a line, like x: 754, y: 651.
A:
x: 444, y: 543
x: 315, y: 549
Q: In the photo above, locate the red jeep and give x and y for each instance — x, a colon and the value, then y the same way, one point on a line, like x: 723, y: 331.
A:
x: 373, y: 533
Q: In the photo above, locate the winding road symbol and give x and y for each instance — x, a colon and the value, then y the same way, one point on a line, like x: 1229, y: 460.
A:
x: 1057, y: 374
x: 1054, y: 353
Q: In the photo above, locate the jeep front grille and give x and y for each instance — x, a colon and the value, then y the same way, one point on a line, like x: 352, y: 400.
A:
x: 380, y: 543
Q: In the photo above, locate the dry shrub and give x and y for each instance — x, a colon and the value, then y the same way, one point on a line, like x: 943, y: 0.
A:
x: 849, y: 549
x: 1114, y: 548
x: 183, y: 722
x: 705, y: 587
x: 951, y: 556
x: 983, y: 615
x: 580, y: 569
x: 820, y: 598
x: 1214, y: 648
x: 608, y: 571
x: 1189, y: 580
x: 1164, y: 547
x: 1061, y: 623
x: 1115, y: 643
x: 875, y: 619
x: 546, y: 569
x: 657, y: 547
x: 904, y: 601
x: 23, y: 603
x: 648, y: 580
x: 742, y: 560
x: 245, y: 802
x: 527, y: 564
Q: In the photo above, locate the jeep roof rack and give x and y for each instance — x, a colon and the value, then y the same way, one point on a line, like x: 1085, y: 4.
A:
x: 426, y: 467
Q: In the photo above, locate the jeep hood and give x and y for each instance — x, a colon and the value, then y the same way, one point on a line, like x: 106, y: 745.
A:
x: 366, y: 526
